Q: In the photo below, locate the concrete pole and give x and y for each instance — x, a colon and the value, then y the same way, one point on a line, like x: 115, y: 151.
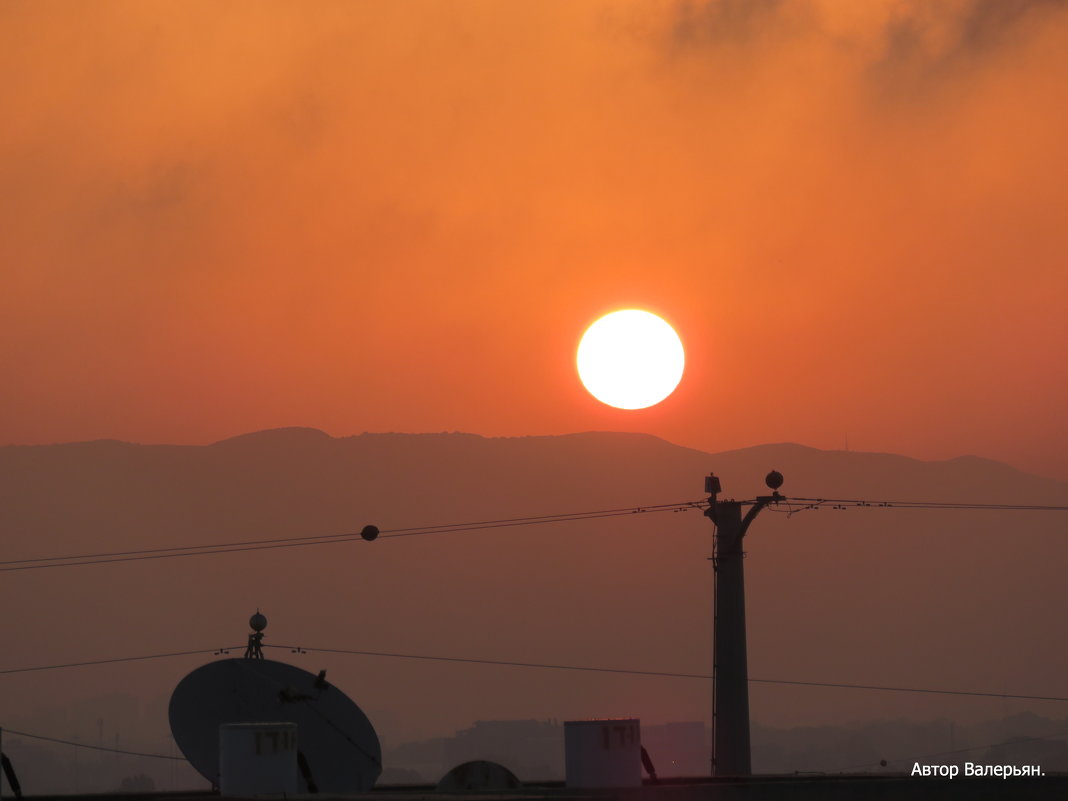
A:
x: 730, y: 695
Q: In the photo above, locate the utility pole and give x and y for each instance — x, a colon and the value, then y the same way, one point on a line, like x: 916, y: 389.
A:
x: 730, y: 671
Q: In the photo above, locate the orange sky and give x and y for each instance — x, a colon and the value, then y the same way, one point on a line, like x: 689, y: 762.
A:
x: 389, y: 216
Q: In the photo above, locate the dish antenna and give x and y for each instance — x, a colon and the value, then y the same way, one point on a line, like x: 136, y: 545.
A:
x: 337, y: 747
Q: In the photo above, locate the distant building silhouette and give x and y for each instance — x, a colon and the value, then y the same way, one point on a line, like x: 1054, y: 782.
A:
x: 1051, y: 755
x: 531, y: 749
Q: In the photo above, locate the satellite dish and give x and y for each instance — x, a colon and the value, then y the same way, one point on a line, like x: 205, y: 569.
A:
x: 477, y: 775
x: 338, y: 750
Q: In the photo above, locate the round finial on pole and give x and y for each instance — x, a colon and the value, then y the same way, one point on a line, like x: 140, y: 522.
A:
x: 258, y: 621
x: 773, y: 479
x: 369, y: 533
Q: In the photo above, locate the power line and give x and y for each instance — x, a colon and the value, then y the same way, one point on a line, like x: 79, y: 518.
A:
x: 116, y: 660
x: 882, y: 688
x: 843, y: 503
x: 86, y: 745
x: 541, y: 665
x: 206, y: 549
x: 938, y: 504
x: 663, y: 674
x: 444, y: 527
x: 328, y: 539
x: 498, y: 662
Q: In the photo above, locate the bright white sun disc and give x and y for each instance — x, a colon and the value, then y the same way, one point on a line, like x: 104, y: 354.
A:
x: 630, y: 359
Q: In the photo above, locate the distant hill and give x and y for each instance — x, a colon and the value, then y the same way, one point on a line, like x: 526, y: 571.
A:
x: 971, y: 600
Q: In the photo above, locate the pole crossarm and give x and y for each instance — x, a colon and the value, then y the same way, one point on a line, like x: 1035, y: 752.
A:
x: 758, y: 504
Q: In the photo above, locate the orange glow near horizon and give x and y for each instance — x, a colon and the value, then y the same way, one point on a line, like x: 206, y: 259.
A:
x: 386, y: 218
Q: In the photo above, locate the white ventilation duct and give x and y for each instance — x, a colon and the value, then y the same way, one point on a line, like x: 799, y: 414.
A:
x: 257, y: 758
x: 603, y: 753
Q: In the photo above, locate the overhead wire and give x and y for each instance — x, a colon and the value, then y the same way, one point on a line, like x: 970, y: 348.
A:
x: 115, y: 660
x: 204, y: 549
x: 541, y: 665
x: 352, y: 534
x: 665, y: 674
x: 843, y: 503
x: 937, y: 504
x: 87, y: 745
x: 328, y: 539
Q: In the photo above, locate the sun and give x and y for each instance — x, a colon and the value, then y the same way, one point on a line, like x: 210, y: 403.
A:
x: 630, y: 359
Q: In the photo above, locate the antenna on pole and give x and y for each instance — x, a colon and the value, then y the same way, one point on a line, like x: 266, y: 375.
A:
x: 258, y: 622
x: 730, y: 671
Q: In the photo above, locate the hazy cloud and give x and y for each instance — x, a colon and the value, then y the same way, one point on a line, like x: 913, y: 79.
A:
x: 924, y: 41
x: 904, y: 42
x: 700, y: 23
